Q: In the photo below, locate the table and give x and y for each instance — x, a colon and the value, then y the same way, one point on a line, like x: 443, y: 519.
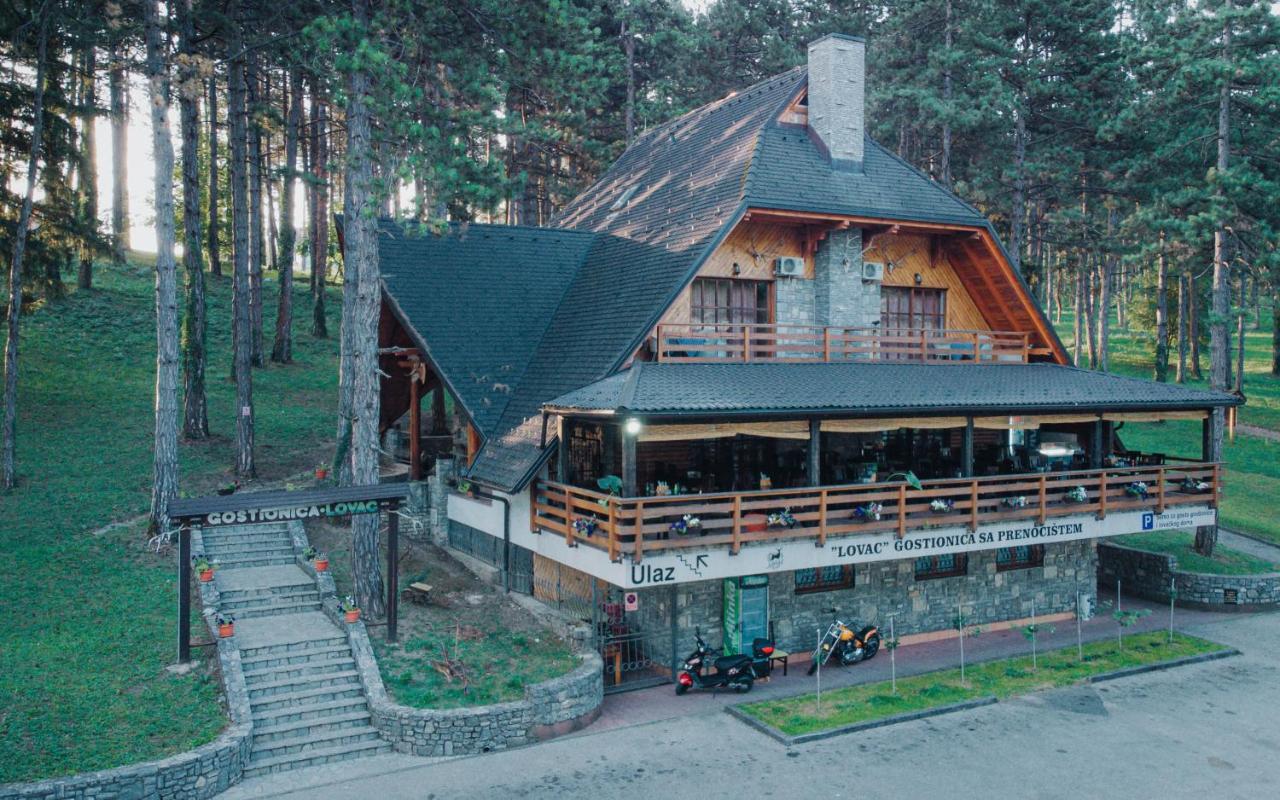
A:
x: 779, y: 655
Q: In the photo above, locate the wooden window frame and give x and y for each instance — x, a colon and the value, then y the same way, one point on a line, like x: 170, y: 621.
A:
x: 959, y: 568
x: 914, y: 317
x: 846, y: 580
x: 1034, y: 557
x: 768, y: 311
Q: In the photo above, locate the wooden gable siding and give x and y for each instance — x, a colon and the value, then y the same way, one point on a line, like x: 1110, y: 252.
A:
x: 913, y: 255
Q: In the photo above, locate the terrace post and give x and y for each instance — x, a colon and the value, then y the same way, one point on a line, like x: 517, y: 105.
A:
x: 415, y: 424
x: 562, y: 449
x: 184, y: 593
x: 628, y: 462
x: 966, y: 448
x: 1095, y: 449
x: 814, y: 465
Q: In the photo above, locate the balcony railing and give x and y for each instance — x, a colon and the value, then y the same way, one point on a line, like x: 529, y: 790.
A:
x: 732, y: 342
x: 637, y: 526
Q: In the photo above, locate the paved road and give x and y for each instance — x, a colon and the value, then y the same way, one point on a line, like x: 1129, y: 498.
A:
x: 1209, y: 730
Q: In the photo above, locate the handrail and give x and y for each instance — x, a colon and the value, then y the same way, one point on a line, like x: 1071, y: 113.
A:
x: 687, y: 342
x: 644, y: 525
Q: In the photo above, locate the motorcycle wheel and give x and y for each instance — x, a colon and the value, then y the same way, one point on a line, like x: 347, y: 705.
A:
x: 813, y: 666
x: 681, y: 688
x: 872, y: 646
x: 743, y: 686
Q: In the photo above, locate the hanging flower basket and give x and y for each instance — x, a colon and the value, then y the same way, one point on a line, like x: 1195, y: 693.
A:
x: 1014, y: 502
x: 869, y: 512
x: 1076, y: 494
x: 943, y: 505
x: 585, y: 526
x: 686, y: 524
x: 1137, y: 489
x: 1190, y: 485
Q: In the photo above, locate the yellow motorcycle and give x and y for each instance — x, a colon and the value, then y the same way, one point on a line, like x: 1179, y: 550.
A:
x: 845, y: 644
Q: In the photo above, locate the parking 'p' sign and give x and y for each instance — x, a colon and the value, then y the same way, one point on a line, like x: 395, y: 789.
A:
x: 631, y: 601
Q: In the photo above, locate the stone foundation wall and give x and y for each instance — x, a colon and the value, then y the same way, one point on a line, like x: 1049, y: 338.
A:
x: 881, y: 589
x: 196, y: 774
x: 1149, y: 575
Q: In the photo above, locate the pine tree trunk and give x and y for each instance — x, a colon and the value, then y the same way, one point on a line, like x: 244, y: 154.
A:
x: 361, y: 239
x: 944, y: 171
x: 1194, y: 330
x: 629, y: 49
x: 346, y: 362
x: 282, y: 351
x: 88, y: 165
x: 319, y: 212
x: 195, y: 416
x: 1184, y: 324
x: 1102, y: 314
x: 215, y: 190
x: 165, y: 486
x: 257, y: 239
x: 1019, y: 211
x: 9, y: 436
x: 1162, y: 314
x: 242, y: 336
x: 1219, y: 337
x: 119, y: 95
x: 1077, y: 342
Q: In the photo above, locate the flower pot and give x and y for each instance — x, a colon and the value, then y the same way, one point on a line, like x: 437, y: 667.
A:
x: 206, y: 575
x: 322, y: 565
x: 755, y: 523
x: 353, y: 615
x: 226, y: 630
x: 321, y: 473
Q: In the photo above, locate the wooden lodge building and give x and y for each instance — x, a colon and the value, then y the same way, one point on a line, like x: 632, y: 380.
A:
x: 696, y: 398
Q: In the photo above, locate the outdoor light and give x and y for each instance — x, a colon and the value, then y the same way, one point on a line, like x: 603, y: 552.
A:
x: 633, y: 426
x: 1055, y: 450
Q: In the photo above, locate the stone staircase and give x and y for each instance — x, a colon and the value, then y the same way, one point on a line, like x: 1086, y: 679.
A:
x: 305, y: 694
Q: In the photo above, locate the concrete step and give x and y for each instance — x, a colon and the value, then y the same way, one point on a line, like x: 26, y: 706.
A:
x: 284, y: 731
x: 257, y: 536
x: 293, y: 648
x: 287, y: 685
x: 225, y: 562
x: 275, y: 609
x: 312, y: 668
x: 262, y: 527
x: 320, y: 740
x: 312, y: 758
x: 314, y: 711
x: 246, y: 550
x: 314, y: 656
x: 241, y: 598
x: 306, y: 697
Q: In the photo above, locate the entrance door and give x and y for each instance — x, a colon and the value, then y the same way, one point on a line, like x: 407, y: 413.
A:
x: 906, y: 312
x: 746, y: 612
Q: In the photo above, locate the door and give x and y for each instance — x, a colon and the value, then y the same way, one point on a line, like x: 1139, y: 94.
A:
x: 906, y: 314
x: 746, y: 612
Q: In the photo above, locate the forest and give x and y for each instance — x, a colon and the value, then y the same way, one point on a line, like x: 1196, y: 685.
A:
x: 1127, y: 150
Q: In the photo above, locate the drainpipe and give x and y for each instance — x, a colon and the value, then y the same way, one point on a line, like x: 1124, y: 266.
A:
x: 506, y: 535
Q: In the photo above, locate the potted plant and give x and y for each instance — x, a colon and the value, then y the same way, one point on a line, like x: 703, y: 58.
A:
x: 318, y: 560
x: 782, y: 519
x: 611, y: 485
x: 869, y: 512
x: 349, y: 609
x: 585, y: 526
x: 322, y: 471
x: 464, y: 487
x: 1076, y: 494
x: 226, y: 626
x: 1137, y: 489
x: 766, y: 483
x: 204, y: 568
x: 686, y: 524
x: 942, y: 505
x: 1190, y: 485
x: 1014, y: 502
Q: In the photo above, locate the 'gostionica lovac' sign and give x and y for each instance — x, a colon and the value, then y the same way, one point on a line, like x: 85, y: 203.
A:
x: 283, y: 513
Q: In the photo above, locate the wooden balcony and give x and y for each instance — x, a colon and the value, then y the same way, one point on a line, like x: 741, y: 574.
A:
x: 639, y: 526
x: 731, y: 342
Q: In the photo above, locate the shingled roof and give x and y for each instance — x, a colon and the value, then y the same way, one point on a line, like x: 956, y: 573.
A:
x: 874, y: 389
x: 516, y: 316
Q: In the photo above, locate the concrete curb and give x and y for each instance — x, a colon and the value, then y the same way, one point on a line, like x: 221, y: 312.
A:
x: 1163, y: 665
x: 773, y: 733
x: 908, y: 716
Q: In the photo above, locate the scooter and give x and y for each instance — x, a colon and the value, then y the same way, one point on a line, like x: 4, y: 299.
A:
x: 733, y: 672
x: 846, y: 646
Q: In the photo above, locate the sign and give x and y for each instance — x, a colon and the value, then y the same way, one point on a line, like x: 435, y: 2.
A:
x: 631, y: 601
x: 732, y: 617
x: 280, y: 513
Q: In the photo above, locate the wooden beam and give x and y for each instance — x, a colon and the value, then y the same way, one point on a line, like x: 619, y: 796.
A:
x: 802, y: 217
x: 814, y: 469
x: 966, y: 448
x: 628, y: 463
x: 415, y: 427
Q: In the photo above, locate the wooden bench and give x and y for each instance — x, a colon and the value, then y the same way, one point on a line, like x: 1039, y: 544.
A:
x: 419, y: 593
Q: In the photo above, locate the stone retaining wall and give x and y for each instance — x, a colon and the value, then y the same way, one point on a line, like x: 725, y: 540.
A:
x: 1149, y: 575
x: 194, y: 775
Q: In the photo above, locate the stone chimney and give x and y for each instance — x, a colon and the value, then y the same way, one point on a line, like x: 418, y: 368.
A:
x: 837, y: 83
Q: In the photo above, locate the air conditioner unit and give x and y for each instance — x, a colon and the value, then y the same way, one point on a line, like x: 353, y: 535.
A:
x: 788, y: 267
x: 872, y: 271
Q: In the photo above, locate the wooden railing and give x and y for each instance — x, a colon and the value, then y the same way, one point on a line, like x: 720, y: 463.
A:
x: 637, y: 526
x: 701, y: 343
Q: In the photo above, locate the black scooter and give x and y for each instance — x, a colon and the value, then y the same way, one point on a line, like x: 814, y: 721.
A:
x: 733, y: 672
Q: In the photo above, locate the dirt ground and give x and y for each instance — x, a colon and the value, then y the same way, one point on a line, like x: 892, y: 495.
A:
x: 470, y: 645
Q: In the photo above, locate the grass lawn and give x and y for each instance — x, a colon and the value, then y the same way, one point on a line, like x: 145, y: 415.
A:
x: 1179, y: 544
x: 89, y: 615
x: 1002, y: 678
x: 1253, y: 464
x: 499, y: 647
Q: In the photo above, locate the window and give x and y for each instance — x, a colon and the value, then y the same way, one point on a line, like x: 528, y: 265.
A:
x: 944, y: 566
x: 824, y: 579
x: 910, y: 308
x: 726, y: 300
x: 1024, y: 557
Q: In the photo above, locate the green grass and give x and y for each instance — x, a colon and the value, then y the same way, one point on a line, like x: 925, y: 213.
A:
x: 1002, y: 678
x: 1180, y: 545
x: 89, y: 617
x: 1253, y: 464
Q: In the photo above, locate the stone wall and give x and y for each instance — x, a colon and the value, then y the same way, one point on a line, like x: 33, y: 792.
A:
x: 836, y: 295
x: 1149, y: 575
x: 881, y: 589
x: 194, y: 775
